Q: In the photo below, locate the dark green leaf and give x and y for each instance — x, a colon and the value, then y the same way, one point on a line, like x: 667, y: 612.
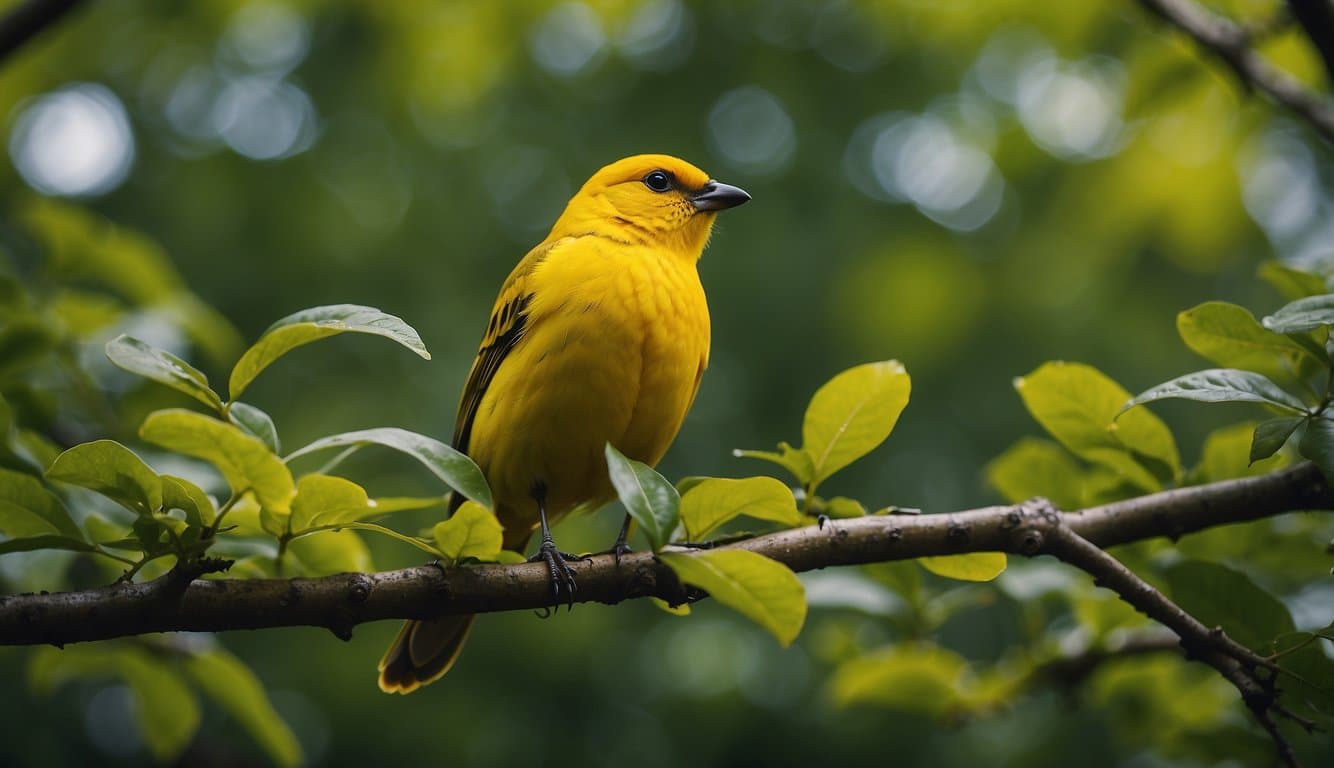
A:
x: 112, y: 470
x: 1227, y: 455
x: 1230, y: 336
x: 852, y: 414
x: 165, y: 707
x: 1219, y: 385
x: 456, y: 469
x: 235, y: 689
x: 1271, y: 435
x: 763, y: 590
x: 255, y: 422
x: 1221, y: 597
x: 313, y: 324
x: 23, y: 491
x: 1317, y: 444
x: 163, y: 367
x: 23, y: 343
x: 647, y: 496
x: 1303, y: 315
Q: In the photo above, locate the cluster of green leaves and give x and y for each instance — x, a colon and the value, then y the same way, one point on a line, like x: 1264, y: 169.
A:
x: 1285, y: 363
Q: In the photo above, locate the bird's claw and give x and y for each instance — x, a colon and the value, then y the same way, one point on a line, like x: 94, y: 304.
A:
x: 621, y: 548
x: 820, y: 521
x: 562, y: 576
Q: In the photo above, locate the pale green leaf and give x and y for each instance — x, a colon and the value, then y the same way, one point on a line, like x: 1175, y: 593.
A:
x: 317, y: 323
x: 164, y: 706
x: 235, y: 689
x: 112, y: 470
x: 1035, y: 467
x: 1227, y: 455
x: 852, y: 414
x: 1292, y: 284
x: 924, y: 679
x: 839, y: 507
x: 763, y: 590
x: 255, y: 422
x: 676, y: 610
x: 1078, y: 405
x: 974, y: 566
x: 179, y: 493
x: 163, y: 367
x: 23, y: 491
x: 327, y: 552
x: 318, y: 496
x: 244, y: 461
x: 715, y: 501
x: 647, y: 496
x: 450, y: 465
x: 470, y: 532
x: 1230, y: 336
x: 794, y: 460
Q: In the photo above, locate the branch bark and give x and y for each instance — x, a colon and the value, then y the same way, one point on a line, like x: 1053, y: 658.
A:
x: 1232, y: 44
x: 340, y: 602
x: 28, y: 19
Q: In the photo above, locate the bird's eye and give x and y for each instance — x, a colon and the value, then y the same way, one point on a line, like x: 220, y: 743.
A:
x: 658, y: 181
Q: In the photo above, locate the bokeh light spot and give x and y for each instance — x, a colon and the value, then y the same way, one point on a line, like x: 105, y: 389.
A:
x: 267, y: 36
x: 568, y: 40
x: 75, y: 142
x: 659, y: 35
x: 264, y: 119
x: 751, y: 129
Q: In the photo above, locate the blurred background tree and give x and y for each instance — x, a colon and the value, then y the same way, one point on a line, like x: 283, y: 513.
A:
x: 972, y: 188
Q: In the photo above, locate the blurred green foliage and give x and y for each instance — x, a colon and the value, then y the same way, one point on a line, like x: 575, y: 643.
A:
x: 972, y: 188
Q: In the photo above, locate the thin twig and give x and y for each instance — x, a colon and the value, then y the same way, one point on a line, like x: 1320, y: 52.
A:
x: 1231, y: 43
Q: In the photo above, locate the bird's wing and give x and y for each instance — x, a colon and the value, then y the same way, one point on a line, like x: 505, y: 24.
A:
x: 509, y: 321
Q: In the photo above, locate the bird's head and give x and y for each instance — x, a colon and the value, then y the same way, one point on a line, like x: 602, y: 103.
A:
x: 650, y: 199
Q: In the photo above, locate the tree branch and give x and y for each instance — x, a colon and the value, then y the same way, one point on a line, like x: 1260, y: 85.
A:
x: 1317, y: 19
x: 28, y: 19
x: 342, y: 601
x: 1230, y: 42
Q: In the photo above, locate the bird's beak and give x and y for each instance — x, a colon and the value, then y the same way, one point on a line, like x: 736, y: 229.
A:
x: 717, y: 196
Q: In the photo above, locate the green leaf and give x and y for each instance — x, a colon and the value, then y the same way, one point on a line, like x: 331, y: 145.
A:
x: 25, y: 492
x: 163, y: 367
x: 1219, y: 385
x: 794, y: 460
x: 254, y: 422
x: 244, y: 461
x: 456, y: 469
x: 112, y: 470
x: 1303, y: 315
x: 1078, y: 406
x: 924, y: 679
x: 1230, y: 336
x: 975, y: 566
x: 179, y: 493
x: 1291, y: 283
x: 1227, y: 455
x: 235, y: 689
x: 470, y: 532
x: 24, y: 342
x: 763, y: 590
x: 1271, y: 435
x: 852, y: 414
x: 1035, y: 467
x: 329, y: 552
x: 319, y: 497
x: 1317, y: 444
x: 165, y: 707
x: 839, y: 507
x: 714, y: 501
x: 425, y: 546
x: 1308, y: 686
x: 312, y: 325
x: 1221, y: 597
x: 647, y: 496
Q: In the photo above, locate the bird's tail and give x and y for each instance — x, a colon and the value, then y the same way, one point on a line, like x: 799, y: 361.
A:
x: 423, y: 652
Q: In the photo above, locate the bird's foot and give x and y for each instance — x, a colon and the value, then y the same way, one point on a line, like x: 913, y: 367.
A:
x: 562, y: 576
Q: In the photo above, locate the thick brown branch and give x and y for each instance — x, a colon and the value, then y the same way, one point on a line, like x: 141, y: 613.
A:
x: 340, y: 602
x: 1231, y: 43
x: 26, y: 20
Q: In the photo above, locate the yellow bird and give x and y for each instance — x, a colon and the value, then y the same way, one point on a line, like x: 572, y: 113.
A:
x: 600, y: 334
